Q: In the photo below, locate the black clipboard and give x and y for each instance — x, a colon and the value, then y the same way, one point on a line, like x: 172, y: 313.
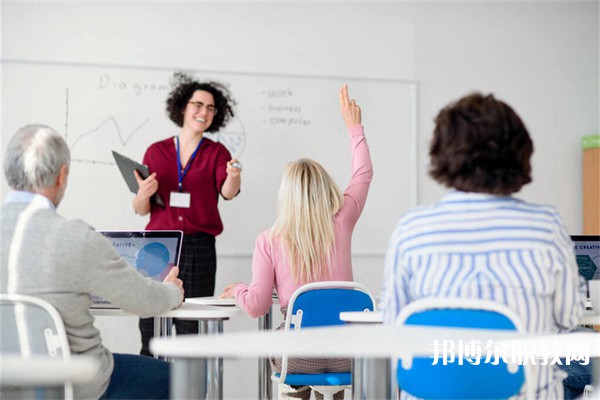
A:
x: 127, y: 166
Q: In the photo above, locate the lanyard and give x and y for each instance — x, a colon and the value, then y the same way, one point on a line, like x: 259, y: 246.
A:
x: 181, y: 173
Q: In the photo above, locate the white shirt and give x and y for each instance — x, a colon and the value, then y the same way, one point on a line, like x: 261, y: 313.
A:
x: 472, y: 245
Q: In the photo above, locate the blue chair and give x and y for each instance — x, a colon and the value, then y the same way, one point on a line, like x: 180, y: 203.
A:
x: 420, y: 378
x: 320, y: 304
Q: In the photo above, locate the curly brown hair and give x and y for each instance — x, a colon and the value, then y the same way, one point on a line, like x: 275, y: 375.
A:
x: 480, y: 145
x: 185, y: 86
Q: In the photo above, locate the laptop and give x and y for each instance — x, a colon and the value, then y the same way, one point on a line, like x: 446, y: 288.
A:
x: 152, y: 253
x: 587, y: 252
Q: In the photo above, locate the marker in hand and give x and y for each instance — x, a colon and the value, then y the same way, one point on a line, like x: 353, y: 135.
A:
x: 237, y: 165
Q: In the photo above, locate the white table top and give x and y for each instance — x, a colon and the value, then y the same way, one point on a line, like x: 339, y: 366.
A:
x: 589, y: 317
x: 46, y: 371
x: 185, y: 311
x: 211, y: 301
x: 358, y: 340
x: 371, y: 317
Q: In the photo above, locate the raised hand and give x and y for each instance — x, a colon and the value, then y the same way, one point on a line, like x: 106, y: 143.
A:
x: 350, y: 110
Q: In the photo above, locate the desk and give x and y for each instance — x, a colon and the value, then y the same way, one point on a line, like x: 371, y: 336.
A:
x: 365, y: 368
x: 361, y: 317
x: 47, y: 372
x: 265, y: 322
x: 210, y: 319
x: 265, y: 385
x: 590, y: 317
x: 369, y: 341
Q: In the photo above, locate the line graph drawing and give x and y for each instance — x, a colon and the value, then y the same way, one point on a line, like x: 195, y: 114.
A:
x: 116, y: 126
x: 233, y: 137
x: 111, y: 120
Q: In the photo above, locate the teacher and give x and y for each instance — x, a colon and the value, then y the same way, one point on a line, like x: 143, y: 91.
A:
x: 189, y: 172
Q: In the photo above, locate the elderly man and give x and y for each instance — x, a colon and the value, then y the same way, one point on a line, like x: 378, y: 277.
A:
x: 65, y: 261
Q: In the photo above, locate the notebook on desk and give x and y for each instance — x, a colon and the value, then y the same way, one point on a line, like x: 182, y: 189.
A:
x: 152, y: 253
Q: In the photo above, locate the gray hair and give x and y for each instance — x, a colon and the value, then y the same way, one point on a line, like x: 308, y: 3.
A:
x: 34, y: 157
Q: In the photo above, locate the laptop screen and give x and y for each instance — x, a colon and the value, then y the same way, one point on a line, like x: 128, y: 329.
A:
x: 587, y: 252
x: 152, y: 253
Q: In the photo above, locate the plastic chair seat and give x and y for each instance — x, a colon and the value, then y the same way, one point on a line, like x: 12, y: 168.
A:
x: 325, y: 379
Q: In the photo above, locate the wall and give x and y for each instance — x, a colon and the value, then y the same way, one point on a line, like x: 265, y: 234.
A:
x: 542, y: 58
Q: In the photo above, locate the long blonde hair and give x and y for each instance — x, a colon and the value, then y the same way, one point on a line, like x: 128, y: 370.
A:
x: 307, y: 201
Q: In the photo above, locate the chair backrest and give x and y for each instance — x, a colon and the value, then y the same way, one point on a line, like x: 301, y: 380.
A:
x: 32, y: 327
x: 475, y: 378
x: 320, y: 303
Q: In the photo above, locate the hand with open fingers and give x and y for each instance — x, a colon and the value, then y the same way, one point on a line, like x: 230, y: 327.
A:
x: 350, y: 110
x: 147, y: 187
x: 228, y: 291
x: 234, y: 168
x: 172, y: 277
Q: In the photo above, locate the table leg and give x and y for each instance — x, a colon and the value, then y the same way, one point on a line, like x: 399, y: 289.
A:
x: 163, y: 326
x: 166, y: 327
x: 371, y: 379
x: 188, y: 378
x: 214, y: 366
x: 265, y: 387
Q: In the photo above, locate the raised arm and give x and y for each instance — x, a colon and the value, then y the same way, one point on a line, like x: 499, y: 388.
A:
x: 355, y: 194
x: 350, y: 110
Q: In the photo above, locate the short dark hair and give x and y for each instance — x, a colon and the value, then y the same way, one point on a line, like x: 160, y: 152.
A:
x: 184, y: 87
x: 480, y: 145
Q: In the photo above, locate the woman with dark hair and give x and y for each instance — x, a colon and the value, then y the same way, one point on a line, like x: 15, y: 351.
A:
x: 189, y: 173
x: 479, y: 242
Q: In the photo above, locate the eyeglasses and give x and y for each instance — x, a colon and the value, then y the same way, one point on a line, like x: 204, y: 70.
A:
x: 199, y: 105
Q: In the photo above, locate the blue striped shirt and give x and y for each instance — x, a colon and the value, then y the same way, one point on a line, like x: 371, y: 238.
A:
x: 473, y: 245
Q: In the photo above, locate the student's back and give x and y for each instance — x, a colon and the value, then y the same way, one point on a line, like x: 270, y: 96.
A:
x: 480, y: 242
x: 311, y: 238
x: 64, y: 261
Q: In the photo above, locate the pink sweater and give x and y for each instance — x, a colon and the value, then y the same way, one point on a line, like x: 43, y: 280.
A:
x: 269, y: 266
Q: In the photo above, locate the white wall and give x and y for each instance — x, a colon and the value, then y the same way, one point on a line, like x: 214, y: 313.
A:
x: 539, y: 57
x: 542, y: 58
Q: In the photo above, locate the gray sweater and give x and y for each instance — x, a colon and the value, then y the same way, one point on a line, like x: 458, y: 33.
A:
x: 64, y: 262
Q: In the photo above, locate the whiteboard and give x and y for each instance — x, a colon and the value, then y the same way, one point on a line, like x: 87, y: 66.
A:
x: 279, y: 118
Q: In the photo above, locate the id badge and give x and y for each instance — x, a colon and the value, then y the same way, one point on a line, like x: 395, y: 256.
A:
x: 180, y: 199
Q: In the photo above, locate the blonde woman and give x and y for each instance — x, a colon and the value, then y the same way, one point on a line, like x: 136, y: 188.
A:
x: 311, y: 238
